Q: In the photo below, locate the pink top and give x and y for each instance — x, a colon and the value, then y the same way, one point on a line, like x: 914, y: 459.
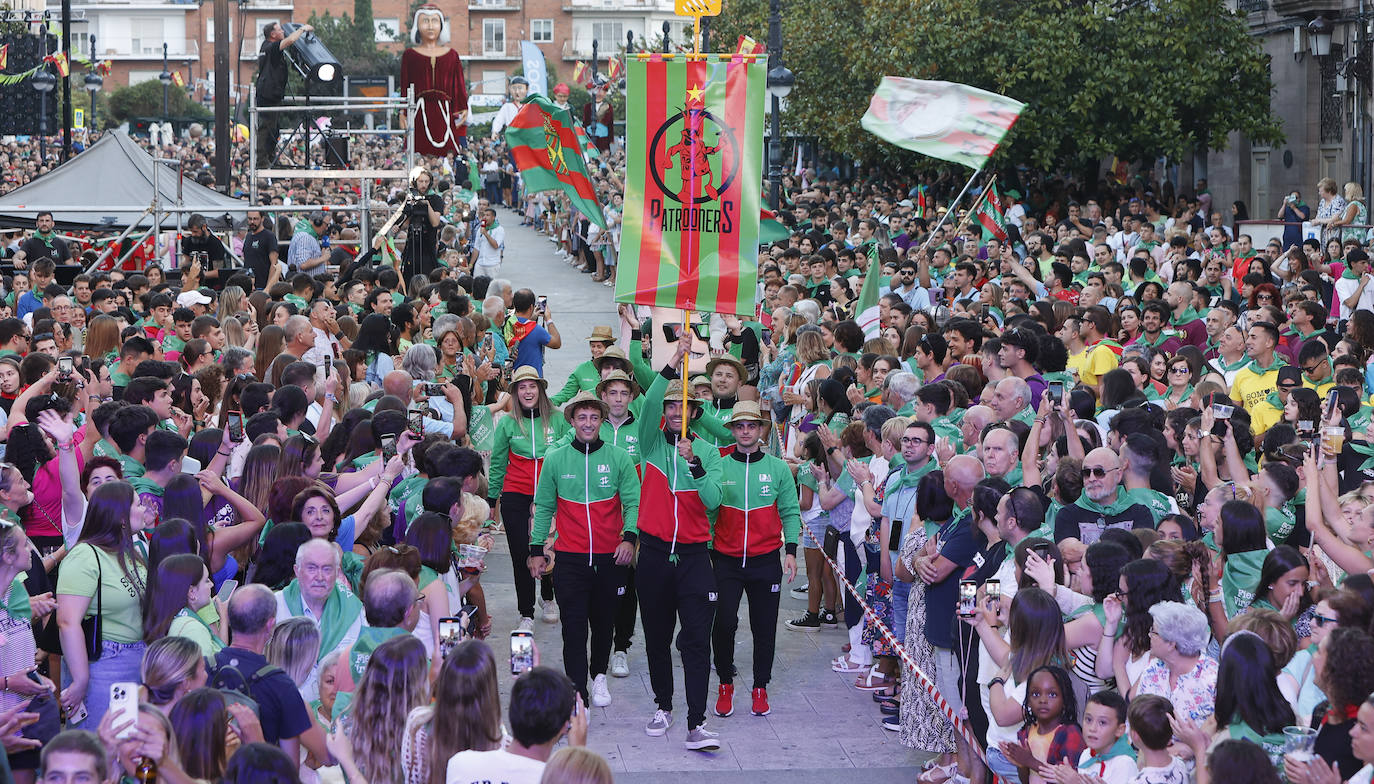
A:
x: 44, y: 516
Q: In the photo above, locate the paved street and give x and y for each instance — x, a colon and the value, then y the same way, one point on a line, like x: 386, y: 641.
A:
x: 820, y: 729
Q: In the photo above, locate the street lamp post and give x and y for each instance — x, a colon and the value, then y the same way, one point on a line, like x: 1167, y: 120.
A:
x: 44, y: 82
x: 93, y: 84
x: 780, y: 82
x: 166, y: 78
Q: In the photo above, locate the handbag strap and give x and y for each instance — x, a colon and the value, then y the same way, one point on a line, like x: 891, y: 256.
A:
x: 99, y: 582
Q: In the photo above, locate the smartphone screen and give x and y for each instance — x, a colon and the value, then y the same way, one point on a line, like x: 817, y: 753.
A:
x: 227, y: 590
x: 451, y: 632
x: 521, y: 651
x: 235, y: 423
x: 1056, y: 392
x: 388, y: 446
x: 416, y: 421
x: 993, y: 589
x: 968, y: 597
x: 1330, y: 403
x: 64, y: 366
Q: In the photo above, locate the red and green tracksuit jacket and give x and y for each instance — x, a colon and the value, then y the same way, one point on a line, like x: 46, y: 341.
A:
x: 758, y: 511
x: 590, y: 492
x: 677, y: 498
x: 520, y: 445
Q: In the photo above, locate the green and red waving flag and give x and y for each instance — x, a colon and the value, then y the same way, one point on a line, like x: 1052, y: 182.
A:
x: 988, y: 212
x: 544, y: 144
x: 945, y: 120
x: 694, y: 133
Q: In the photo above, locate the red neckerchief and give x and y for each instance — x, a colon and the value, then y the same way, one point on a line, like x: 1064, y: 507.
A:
x: 1332, y: 716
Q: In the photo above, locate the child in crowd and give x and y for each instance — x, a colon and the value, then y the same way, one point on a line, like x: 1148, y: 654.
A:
x: 1108, y: 757
x: 1051, y: 734
x: 1150, y: 734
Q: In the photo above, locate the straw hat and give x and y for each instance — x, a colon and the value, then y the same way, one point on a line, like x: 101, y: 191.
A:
x: 616, y: 375
x: 582, y: 400
x: 701, y: 381
x: 528, y: 373
x: 746, y: 411
x: 613, y: 352
x: 601, y: 335
x: 675, y: 395
x: 732, y: 361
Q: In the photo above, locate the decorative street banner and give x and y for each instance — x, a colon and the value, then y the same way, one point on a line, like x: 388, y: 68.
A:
x: 945, y: 120
x: 545, y: 148
x: 694, y: 133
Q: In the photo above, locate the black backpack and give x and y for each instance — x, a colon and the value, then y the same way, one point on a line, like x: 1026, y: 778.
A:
x: 229, y: 678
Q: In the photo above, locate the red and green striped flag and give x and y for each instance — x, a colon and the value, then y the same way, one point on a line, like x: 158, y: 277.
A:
x: 589, y: 150
x: 545, y: 147
x: 952, y: 122
x: 989, y: 213
x: 694, y: 133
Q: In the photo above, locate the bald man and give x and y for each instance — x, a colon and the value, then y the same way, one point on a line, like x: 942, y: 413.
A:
x: 1179, y: 298
x: 975, y: 419
x: 315, y: 594
x: 940, y: 564
x: 1104, y: 504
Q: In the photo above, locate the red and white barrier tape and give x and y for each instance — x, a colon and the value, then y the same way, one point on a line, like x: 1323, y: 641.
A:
x: 929, y: 685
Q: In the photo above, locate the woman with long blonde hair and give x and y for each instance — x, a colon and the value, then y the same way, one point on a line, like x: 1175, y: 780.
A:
x: 470, y: 720
x: 395, y: 683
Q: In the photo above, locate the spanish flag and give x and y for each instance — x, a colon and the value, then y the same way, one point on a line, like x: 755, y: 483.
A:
x: 177, y: 79
x: 4, y: 56
x: 582, y: 73
x: 60, y: 63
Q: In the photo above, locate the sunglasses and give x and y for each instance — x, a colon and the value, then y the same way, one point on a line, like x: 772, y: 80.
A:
x: 1098, y: 472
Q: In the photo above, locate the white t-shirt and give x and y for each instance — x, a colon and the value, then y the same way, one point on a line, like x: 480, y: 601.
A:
x: 1117, y: 770
x: 1345, y: 287
x: 487, y: 256
x: 492, y: 767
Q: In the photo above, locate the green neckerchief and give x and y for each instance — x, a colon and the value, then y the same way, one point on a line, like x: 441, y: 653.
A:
x: 214, y: 636
x: 1189, y: 315
x: 1026, y: 415
x: 1273, y: 399
x: 1122, y: 748
x: 946, y: 427
x: 907, y: 479
x: 17, y: 601
x: 1014, y: 476
x: 1121, y: 503
x: 143, y: 484
x: 1152, y: 394
x: 340, y: 611
x: 369, y: 638
x: 103, y: 448
x: 1260, y: 370
x: 1272, y: 743
x: 1163, y: 336
x: 304, y: 225
x: 301, y: 305
x: 47, y: 239
x: 1158, y: 503
x: 1280, y: 522
x: 1346, y: 274
x: 1239, y: 580
x: 1231, y: 367
x: 132, y: 468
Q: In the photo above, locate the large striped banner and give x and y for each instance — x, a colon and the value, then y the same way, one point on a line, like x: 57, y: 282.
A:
x: 694, y: 132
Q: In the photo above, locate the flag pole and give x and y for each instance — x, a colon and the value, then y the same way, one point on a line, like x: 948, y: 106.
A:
x: 950, y: 211
x: 969, y: 215
x: 686, y: 360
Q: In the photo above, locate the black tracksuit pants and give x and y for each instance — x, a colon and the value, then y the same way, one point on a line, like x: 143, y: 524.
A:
x: 515, y: 517
x: 626, y: 613
x: 590, y: 595
x: 760, y: 577
x: 672, y: 589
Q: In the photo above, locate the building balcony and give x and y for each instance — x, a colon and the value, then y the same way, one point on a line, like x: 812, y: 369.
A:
x: 1307, y: 9
x: 177, y: 50
x: 618, y: 6
x: 480, y: 49
x: 495, y: 5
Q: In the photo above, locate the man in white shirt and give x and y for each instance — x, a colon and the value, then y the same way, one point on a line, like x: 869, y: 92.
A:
x: 1353, y: 289
x: 324, y: 327
x: 543, y: 707
x: 519, y: 88
x: 490, y: 242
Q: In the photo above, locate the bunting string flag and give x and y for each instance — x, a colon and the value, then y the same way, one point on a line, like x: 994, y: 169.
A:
x: 614, y: 68
x: 4, y: 56
x: 178, y: 79
x: 582, y: 74
x: 694, y: 135
x: 952, y: 122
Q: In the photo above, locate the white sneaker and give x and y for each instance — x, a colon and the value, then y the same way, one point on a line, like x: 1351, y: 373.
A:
x: 551, y: 612
x: 526, y: 624
x: 620, y: 664
x: 601, y: 696
x: 659, y: 724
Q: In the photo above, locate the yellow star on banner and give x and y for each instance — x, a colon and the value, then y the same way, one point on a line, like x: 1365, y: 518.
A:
x: 694, y: 94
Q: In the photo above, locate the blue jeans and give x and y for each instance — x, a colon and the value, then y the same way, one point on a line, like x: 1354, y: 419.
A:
x: 1001, y: 766
x: 900, y: 592
x: 120, y: 662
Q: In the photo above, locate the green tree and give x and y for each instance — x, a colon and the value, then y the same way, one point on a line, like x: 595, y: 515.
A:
x: 145, y: 100
x: 1097, y: 81
x: 353, y: 40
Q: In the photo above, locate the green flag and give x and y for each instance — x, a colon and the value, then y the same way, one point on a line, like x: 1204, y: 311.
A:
x: 867, y: 307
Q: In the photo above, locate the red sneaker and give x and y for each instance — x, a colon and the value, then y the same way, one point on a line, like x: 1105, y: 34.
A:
x: 725, y: 699
x: 761, y: 702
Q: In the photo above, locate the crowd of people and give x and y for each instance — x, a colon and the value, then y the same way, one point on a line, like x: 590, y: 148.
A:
x: 1099, y: 482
